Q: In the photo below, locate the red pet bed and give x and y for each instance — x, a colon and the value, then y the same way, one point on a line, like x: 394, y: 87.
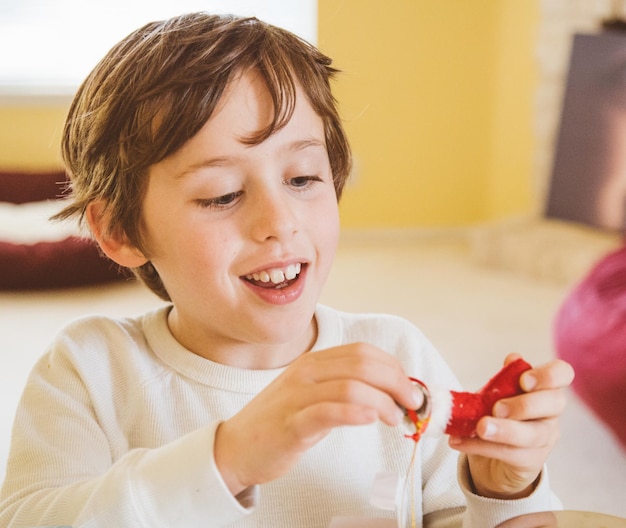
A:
x: 53, y: 257
x: 590, y: 333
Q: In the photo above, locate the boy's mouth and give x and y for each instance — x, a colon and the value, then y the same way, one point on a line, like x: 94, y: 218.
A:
x: 276, y: 278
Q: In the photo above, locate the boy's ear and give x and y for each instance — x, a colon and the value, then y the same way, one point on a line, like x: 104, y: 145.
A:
x: 114, y: 245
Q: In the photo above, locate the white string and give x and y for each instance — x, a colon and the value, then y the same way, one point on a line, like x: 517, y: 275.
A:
x: 407, y: 504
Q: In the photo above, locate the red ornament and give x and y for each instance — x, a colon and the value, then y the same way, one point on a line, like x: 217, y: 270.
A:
x: 457, y: 413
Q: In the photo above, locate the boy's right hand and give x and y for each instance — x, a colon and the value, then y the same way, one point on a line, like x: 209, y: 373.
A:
x: 353, y: 384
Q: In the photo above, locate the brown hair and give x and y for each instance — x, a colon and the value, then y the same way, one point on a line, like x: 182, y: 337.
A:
x: 155, y: 90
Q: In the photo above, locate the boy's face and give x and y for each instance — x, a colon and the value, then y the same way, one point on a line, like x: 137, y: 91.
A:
x: 243, y: 236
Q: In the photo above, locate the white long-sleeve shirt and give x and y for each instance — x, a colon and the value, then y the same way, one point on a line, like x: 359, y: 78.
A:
x: 117, y: 421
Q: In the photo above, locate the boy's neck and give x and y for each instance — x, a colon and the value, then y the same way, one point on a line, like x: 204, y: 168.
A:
x: 239, y: 354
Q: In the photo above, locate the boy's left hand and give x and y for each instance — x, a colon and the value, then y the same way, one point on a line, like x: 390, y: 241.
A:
x: 511, y: 447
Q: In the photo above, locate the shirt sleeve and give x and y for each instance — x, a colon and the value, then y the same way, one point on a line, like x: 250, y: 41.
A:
x: 61, y: 469
x: 484, y: 511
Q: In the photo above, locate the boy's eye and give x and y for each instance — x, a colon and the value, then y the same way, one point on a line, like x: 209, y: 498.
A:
x: 302, y: 181
x: 220, y: 201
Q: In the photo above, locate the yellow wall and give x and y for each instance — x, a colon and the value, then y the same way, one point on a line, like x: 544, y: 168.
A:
x: 437, y: 100
x: 511, y: 180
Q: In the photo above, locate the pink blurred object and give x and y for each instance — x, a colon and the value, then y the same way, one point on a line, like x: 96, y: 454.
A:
x: 590, y: 334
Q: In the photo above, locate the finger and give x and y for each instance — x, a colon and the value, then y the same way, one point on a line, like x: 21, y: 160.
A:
x: 358, y: 360
x: 355, y: 351
x: 354, y: 393
x: 511, y: 357
x: 315, y: 421
x: 517, y: 446
x: 367, y: 364
x: 511, y: 455
x: 535, y: 434
x: 555, y: 374
x: 532, y: 405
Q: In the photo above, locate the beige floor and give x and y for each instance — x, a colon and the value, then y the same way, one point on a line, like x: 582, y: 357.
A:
x: 474, y: 314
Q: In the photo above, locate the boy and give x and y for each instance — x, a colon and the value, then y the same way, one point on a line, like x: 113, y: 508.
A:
x: 207, y: 155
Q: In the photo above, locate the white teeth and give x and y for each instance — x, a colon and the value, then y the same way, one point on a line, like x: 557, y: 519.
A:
x: 276, y: 275
x: 291, y: 272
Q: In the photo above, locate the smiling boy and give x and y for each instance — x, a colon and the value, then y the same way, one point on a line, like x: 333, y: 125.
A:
x: 241, y: 218
x: 207, y: 155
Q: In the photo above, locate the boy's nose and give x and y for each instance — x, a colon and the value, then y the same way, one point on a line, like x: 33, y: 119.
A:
x: 274, y: 218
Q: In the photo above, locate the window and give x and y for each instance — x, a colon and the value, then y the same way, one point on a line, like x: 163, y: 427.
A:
x: 48, y: 48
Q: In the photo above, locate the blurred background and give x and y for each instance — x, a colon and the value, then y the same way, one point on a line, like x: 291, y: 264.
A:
x: 451, y: 106
x: 438, y: 98
x: 454, y: 112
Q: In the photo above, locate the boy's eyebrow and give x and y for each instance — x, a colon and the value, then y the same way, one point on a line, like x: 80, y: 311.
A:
x: 306, y: 143
x: 220, y: 161
x: 211, y: 162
